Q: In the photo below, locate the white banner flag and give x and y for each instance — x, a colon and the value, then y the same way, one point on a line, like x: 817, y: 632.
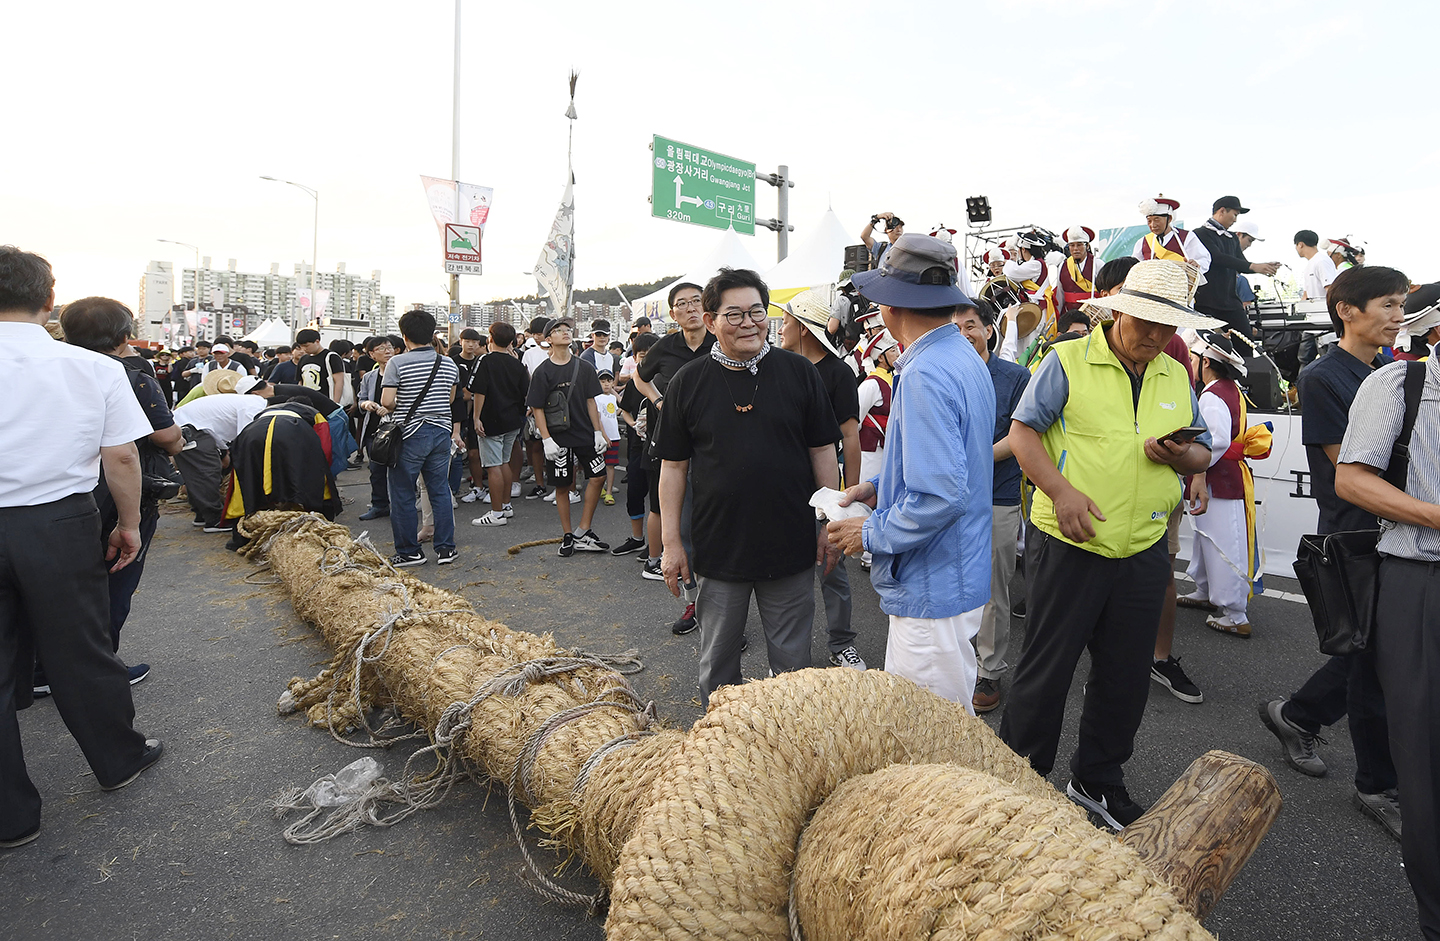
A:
x: 555, y: 271
x: 474, y: 202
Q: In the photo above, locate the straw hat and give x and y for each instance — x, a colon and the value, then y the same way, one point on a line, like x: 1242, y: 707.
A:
x: 1079, y: 233
x: 220, y: 380
x: 1158, y: 291
x: 809, y: 307
x: 1161, y: 205
x: 1026, y: 320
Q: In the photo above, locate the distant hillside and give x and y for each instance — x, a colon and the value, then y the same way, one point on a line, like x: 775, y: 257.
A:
x: 602, y: 295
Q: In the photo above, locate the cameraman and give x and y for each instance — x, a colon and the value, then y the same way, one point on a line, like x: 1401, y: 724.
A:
x: 894, y: 228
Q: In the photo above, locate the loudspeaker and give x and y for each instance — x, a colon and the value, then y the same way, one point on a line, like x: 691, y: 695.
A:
x: 857, y: 257
x: 1262, y: 384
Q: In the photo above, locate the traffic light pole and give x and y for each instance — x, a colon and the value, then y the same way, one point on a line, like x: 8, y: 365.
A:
x: 781, y: 226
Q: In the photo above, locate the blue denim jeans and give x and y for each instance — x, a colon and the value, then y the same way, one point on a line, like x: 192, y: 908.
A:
x: 426, y: 451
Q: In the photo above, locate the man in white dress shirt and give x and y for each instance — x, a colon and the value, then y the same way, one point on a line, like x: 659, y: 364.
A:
x: 79, y: 413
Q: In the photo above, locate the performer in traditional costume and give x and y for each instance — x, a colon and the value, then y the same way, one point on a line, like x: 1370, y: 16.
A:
x: 1075, y: 280
x: 1030, y: 270
x: 1164, y: 240
x: 282, y: 459
x: 1224, y: 561
x: 875, y: 403
x: 995, y: 260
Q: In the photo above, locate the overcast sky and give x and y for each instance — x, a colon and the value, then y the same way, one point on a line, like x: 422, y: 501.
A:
x: 132, y: 122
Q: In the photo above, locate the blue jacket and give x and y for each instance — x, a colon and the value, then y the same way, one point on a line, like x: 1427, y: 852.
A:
x: 930, y: 532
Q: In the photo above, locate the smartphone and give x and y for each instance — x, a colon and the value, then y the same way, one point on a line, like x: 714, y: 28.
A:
x: 1185, y: 435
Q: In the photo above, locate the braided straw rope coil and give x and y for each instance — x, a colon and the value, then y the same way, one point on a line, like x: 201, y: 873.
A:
x: 945, y: 853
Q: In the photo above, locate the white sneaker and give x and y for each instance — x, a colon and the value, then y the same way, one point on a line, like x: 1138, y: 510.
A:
x: 472, y: 496
x: 485, y: 495
x: 506, y: 511
x: 574, y: 497
x: 493, y: 518
x: 550, y: 497
x: 515, y: 490
x: 849, y: 657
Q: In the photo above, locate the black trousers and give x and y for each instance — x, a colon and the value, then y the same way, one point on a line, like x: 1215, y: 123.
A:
x: 55, y: 603
x: 204, y: 475
x: 1407, y: 649
x: 1348, y: 687
x: 1079, y: 600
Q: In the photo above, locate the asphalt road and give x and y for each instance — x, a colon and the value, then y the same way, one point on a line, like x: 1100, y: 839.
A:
x: 193, y: 851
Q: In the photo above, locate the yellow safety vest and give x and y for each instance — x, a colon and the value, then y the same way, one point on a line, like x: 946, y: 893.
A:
x: 1098, y: 443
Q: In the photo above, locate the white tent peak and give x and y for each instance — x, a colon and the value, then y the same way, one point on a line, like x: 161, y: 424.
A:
x: 818, y: 260
x: 729, y: 252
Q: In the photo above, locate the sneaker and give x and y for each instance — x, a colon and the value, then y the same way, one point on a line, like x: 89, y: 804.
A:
x: 687, y: 623
x: 375, y: 513
x: 1168, y: 674
x: 652, y: 571
x: 574, y: 497
x: 1227, y: 626
x: 567, y: 545
x: 1017, y: 610
x: 400, y: 560
x: 493, y: 518
x: 744, y: 642
x: 472, y: 495
x: 485, y: 495
x: 198, y: 521
x: 607, y: 498
x: 514, y: 490
x: 444, y: 556
x: 506, y: 511
x: 220, y: 527
x: 849, y: 657
x: 631, y: 544
x: 1384, y: 808
x: 21, y: 840
x: 536, y: 492
x: 138, y: 672
x: 1111, y: 802
x: 40, y: 690
x: 589, y: 542
x: 987, y: 695
x: 1299, y: 745
x: 154, y: 748
x: 526, y: 473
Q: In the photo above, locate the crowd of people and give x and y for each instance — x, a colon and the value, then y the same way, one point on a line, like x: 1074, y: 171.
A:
x: 947, y: 439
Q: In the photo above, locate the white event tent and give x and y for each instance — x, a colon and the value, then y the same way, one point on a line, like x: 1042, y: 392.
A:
x: 818, y: 260
x: 729, y: 252
x: 270, y: 333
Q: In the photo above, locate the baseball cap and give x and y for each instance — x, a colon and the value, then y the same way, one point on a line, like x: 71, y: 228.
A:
x: 1247, y: 227
x: 605, y: 374
x: 552, y: 324
x: 249, y: 384
x: 600, y: 326
x: 1228, y: 202
x: 917, y: 272
x: 219, y: 348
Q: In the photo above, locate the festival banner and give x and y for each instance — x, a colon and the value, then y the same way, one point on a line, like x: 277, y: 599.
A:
x: 555, y: 271
x: 474, y: 202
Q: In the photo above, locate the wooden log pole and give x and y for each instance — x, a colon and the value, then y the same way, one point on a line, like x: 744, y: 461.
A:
x: 1201, y: 832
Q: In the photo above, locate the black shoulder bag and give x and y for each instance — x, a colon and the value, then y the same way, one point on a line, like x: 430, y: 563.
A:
x: 385, y: 445
x: 1340, y: 573
x: 557, y: 405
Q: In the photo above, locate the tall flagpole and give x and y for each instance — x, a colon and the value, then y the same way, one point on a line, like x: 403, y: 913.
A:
x: 455, y: 170
x: 570, y: 161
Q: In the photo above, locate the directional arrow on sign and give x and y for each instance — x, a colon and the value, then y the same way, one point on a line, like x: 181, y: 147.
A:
x: 680, y: 199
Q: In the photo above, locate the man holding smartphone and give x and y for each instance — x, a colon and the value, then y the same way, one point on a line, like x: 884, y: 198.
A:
x: 1107, y: 484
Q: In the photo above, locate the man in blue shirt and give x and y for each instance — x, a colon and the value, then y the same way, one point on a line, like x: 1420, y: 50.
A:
x: 930, y: 532
x: 992, y: 642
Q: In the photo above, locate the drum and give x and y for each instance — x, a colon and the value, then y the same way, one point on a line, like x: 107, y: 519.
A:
x: 1003, y: 292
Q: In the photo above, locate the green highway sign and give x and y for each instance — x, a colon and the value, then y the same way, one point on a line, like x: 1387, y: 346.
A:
x: 701, y: 187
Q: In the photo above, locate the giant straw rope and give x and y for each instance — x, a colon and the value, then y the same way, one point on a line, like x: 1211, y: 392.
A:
x: 695, y: 833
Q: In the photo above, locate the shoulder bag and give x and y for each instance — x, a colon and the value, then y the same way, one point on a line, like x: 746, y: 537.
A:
x: 1340, y: 572
x: 385, y: 446
x: 557, y: 405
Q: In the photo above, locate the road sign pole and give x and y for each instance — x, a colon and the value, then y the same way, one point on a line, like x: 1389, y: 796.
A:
x: 781, y: 226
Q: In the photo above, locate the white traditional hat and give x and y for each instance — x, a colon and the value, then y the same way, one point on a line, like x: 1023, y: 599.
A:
x: 881, y: 342
x: 1206, y: 345
x: 1157, y: 291
x: 1161, y: 205
x: 943, y: 234
x: 809, y: 307
x: 994, y: 255
x: 1247, y: 227
x: 1079, y: 233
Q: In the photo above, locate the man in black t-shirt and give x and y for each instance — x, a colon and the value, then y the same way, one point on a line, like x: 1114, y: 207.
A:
x: 637, y: 414
x: 467, y: 360
x: 760, y: 432
x: 566, y: 385
x: 320, y: 368
x: 691, y: 341
x: 804, y: 331
x: 497, y: 389
x: 1366, y: 306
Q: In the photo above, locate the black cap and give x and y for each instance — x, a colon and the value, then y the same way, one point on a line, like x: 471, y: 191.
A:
x: 605, y: 374
x: 1228, y: 202
x: 538, y: 325
x: 470, y: 334
x: 1422, y: 298
x: 550, y: 325
x: 600, y: 326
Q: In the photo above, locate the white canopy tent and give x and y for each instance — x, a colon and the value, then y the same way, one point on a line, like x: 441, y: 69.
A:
x: 817, y: 261
x: 729, y: 252
x: 270, y: 333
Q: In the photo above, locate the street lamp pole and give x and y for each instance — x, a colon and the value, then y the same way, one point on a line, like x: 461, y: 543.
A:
x: 455, y: 171
x: 197, y: 272
x: 315, y: 237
